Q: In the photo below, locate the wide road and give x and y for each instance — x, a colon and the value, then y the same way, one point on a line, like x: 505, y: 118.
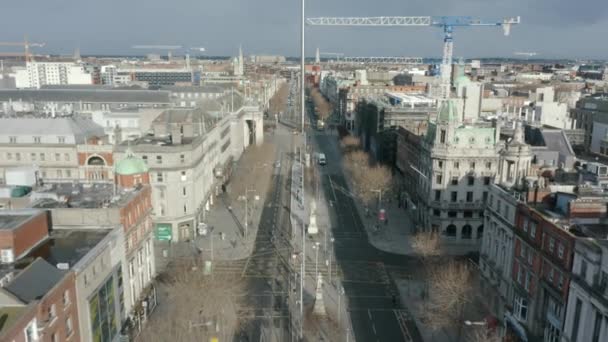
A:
x: 374, y: 316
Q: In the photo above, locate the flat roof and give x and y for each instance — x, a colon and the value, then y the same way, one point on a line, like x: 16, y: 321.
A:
x: 81, y: 195
x: 68, y: 245
x: 11, y: 219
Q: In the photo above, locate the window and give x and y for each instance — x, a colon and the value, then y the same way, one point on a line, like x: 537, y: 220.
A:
x: 530, y: 257
x: 33, y: 156
x: 54, y: 338
x: 57, y: 157
x: 467, y: 232
x: 551, y: 244
x: 525, y: 225
x: 597, y: 325
x: 439, y: 179
x: 560, y: 281
x: 9, y: 156
x: 471, y: 180
x: 66, y: 156
x: 528, y: 280
x: 184, y: 191
x: 61, y: 140
x: 182, y: 158
x: 184, y: 177
x: 452, y: 214
x: 560, y: 251
x: 145, y: 158
x: 31, y: 331
x: 68, y: 173
x: 159, y: 177
x: 52, y: 312
x: 472, y: 166
x: 12, y: 140
x: 17, y: 156
x: 551, y: 275
x: 456, y: 165
x: 469, y: 196
x: 577, y: 317
x: 454, y: 196
x: 533, y: 229
x: 488, y: 165
x: 185, y: 209
x: 68, y: 326
x: 436, y: 213
x: 485, y: 196
x: 6, y: 255
x: 486, y: 180
x: 583, y: 272
x: 42, y: 157
x: 66, y: 298
x: 437, y: 195
x: 454, y: 180
x: 520, y: 308
x: 450, y: 230
x: 442, y: 138
x: 59, y: 174
x: 468, y: 214
x: 36, y: 140
x: 440, y: 164
x: 159, y: 159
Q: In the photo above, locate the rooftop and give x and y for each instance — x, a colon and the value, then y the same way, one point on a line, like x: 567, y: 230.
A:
x: 68, y: 246
x: 35, y: 281
x: 69, y: 126
x: 81, y: 195
x: 11, y: 219
x: 93, y: 95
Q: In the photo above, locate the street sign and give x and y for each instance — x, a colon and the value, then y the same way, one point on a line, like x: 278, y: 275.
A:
x: 163, y: 232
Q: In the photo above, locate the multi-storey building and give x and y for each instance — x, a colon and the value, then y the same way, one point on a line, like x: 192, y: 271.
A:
x: 189, y: 156
x: 65, y: 101
x: 60, y: 149
x: 38, y: 74
x: 457, y: 164
x: 589, y: 110
x: 587, y: 309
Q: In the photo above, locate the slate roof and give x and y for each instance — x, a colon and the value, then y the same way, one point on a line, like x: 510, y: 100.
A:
x: 35, y: 281
x: 72, y: 126
x: 93, y: 95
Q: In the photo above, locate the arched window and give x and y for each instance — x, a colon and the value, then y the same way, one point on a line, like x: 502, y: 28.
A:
x: 480, y: 231
x: 96, y: 161
x: 467, y: 232
x: 450, y: 230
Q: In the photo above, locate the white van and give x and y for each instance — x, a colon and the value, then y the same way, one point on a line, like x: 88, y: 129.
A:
x: 322, y: 160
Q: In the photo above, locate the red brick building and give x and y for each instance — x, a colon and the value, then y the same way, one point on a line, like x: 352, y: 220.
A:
x: 542, y: 265
x: 43, y: 301
x: 20, y: 231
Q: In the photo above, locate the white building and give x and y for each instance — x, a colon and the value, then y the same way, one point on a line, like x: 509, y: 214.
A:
x: 130, y: 123
x: 587, y: 310
x: 459, y: 163
x: 38, y: 74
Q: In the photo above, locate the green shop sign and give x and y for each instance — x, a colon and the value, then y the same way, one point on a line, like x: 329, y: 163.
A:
x: 163, y: 232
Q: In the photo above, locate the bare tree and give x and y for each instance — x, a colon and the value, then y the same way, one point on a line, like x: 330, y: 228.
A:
x: 426, y: 245
x: 482, y: 334
x: 449, y: 292
x: 197, y: 307
x: 350, y: 144
x: 323, y: 107
x: 373, y: 182
x: 278, y: 102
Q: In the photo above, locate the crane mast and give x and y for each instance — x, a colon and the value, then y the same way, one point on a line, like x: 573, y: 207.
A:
x: 447, y: 23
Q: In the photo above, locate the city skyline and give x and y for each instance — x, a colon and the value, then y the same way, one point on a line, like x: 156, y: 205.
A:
x: 552, y: 30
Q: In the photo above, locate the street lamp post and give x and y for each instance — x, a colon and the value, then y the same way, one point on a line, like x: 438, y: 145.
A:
x: 379, y: 191
x: 316, y: 248
x: 330, y: 254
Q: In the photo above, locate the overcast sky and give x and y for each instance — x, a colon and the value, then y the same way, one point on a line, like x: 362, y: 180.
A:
x: 553, y: 28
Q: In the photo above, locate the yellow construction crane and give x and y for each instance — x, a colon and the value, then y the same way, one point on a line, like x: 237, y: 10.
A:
x: 26, y: 46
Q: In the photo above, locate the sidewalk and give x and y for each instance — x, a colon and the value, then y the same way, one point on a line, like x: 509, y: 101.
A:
x: 226, y: 219
x: 412, y: 296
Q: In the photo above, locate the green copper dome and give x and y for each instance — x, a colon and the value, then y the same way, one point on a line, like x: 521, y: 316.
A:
x: 130, y: 165
x: 462, y: 80
x: 447, y: 112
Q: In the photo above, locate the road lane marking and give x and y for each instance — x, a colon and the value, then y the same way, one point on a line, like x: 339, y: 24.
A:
x: 374, y: 328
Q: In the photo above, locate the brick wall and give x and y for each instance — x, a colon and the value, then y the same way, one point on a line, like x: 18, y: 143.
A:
x: 28, y: 235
